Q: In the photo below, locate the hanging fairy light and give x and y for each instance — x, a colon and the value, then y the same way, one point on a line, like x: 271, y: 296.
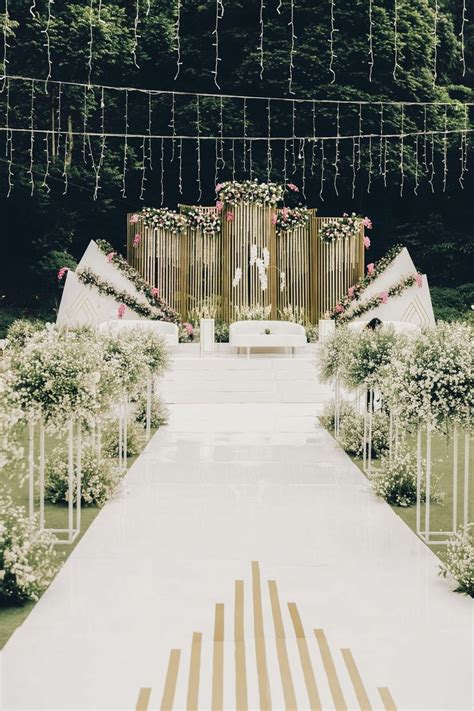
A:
x: 125, y: 147
x: 91, y: 41
x: 44, y: 184
x: 302, y: 156
x: 369, y: 170
x: 260, y: 46
x: 5, y: 44
x: 293, y: 136
x: 172, y: 125
x: 402, y: 149
x: 198, y: 148
x: 65, y: 163
x: 98, y: 168
x: 244, y: 165
x: 292, y: 47
x: 371, y: 40
x: 136, y: 36
x: 359, y: 140
x: 221, y: 134
x: 162, y: 169
x: 269, y: 143
x: 381, y: 132
x: 445, y: 149
x: 435, y: 43
x: 353, y: 165
x: 8, y: 139
x: 463, y: 149
x: 285, y: 152
x: 396, y: 66
x: 180, y: 166
x: 59, y: 116
x: 178, y: 39
x: 32, y: 137
x: 332, y: 33
x: 313, y: 145
x: 415, y: 189
x: 336, y: 149
x: 425, y: 141
x: 216, y: 159
x: 385, y: 158
x: 219, y: 16
x: 232, y: 153
x: 84, y: 123
x: 323, y: 160
x: 250, y: 161
x: 149, y: 129
x: 47, y: 43
x: 432, y: 163
x: 461, y: 35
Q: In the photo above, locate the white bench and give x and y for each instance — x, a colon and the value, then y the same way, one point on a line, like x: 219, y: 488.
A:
x: 251, y: 334
x: 164, y: 329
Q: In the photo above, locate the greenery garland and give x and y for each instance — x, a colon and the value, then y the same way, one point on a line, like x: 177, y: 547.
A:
x: 286, y: 219
x: 150, y: 293
x: 90, y: 278
x: 356, y: 290
x: 395, y: 290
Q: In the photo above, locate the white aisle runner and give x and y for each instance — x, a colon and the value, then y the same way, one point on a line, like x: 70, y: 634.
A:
x: 245, y: 565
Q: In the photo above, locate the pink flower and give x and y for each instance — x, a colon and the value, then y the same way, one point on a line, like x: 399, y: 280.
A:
x: 136, y: 240
x: 274, y: 219
x: 219, y: 206
x: 292, y: 186
x: 370, y: 268
x: 110, y: 256
x: 419, y: 280
x: 189, y: 329
x: 384, y: 297
x: 230, y: 216
x: 367, y: 222
x: 366, y: 242
x: 219, y: 187
x: 121, y: 311
x: 62, y: 272
x: 339, y: 308
x: 134, y: 219
x: 350, y: 292
x: 155, y: 291
x: 284, y: 213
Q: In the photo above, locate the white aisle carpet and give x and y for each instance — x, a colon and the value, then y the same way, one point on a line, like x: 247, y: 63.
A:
x: 246, y: 564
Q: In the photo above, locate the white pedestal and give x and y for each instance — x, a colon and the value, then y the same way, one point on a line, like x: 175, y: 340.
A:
x: 207, y: 340
x: 326, y: 328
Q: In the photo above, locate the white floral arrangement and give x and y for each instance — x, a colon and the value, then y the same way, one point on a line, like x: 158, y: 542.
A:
x: 28, y: 561
x: 160, y: 217
x: 345, y: 227
x: 110, y: 438
x: 208, y: 221
x: 431, y: 377
x: 351, y: 433
x: 459, y: 560
x: 370, y: 350
x: 295, y: 314
x: 253, y: 313
x: 100, y: 477
x: 288, y: 219
x: 333, y: 352
x: 159, y: 413
x: 250, y: 191
x: 395, y: 479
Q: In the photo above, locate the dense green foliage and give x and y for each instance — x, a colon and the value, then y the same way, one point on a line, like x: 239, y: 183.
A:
x: 436, y: 227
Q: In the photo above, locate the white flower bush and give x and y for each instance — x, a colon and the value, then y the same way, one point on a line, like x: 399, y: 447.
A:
x: 159, y: 411
x: 370, y: 350
x: 431, y: 377
x: 459, y: 561
x: 28, y: 561
x: 394, y: 479
x: 351, y: 433
x: 110, y: 438
x: 100, y: 478
x: 333, y: 353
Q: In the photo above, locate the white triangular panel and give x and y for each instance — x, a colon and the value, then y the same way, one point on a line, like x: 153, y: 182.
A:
x: 400, y: 267
x: 412, y: 306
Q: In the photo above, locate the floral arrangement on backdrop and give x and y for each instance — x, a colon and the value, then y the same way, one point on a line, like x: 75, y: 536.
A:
x: 209, y: 221
x: 250, y: 191
x: 160, y: 217
x: 344, y: 228
x: 288, y: 219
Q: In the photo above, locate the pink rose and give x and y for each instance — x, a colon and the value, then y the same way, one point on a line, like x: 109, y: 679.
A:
x: 419, y: 280
x: 370, y: 268
x: 230, y: 216
x: 384, y: 297
x: 155, y: 291
x: 110, y: 256
x: 189, y: 329
x: 367, y: 222
x: 134, y: 219
x: 121, y: 311
x: 219, y: 187
x: 274, y: 219
x: 136, y: 240
x: 284, y: 213
x: 219, y: 206
x: 350, y: 292
x: 62, y: 272
x: 339, y: 308
x: 293, y: 187
x: 366, y: 242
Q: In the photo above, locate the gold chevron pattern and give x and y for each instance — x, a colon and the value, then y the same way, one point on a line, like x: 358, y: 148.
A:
x: 285, y: 662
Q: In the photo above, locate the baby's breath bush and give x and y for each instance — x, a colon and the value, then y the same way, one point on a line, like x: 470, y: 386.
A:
x: 99, y: 478
x: 351, y: 434
x: 395, y: 479
x: 333, y: 353
x: 110, y: 438
x: 459, y: 562
x: 369, y: 352
x: 21, y: 330
x: 28, y: 561
x: 329, y: 413
x: 159, y: 411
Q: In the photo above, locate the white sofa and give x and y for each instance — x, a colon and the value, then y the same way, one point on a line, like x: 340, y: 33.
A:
x: 164, y: 329
x: 251, y: 334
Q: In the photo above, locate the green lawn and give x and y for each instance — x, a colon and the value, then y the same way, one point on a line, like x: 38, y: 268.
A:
x: 12, y: 616
x: 441, y: 513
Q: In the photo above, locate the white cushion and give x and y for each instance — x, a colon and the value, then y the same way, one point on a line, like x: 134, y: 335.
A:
x: 164, y: 329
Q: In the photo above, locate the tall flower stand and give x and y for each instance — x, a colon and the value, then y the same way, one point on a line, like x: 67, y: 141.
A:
x: 207, y: 336
x: 123, y: 433
x: 424, y: 529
